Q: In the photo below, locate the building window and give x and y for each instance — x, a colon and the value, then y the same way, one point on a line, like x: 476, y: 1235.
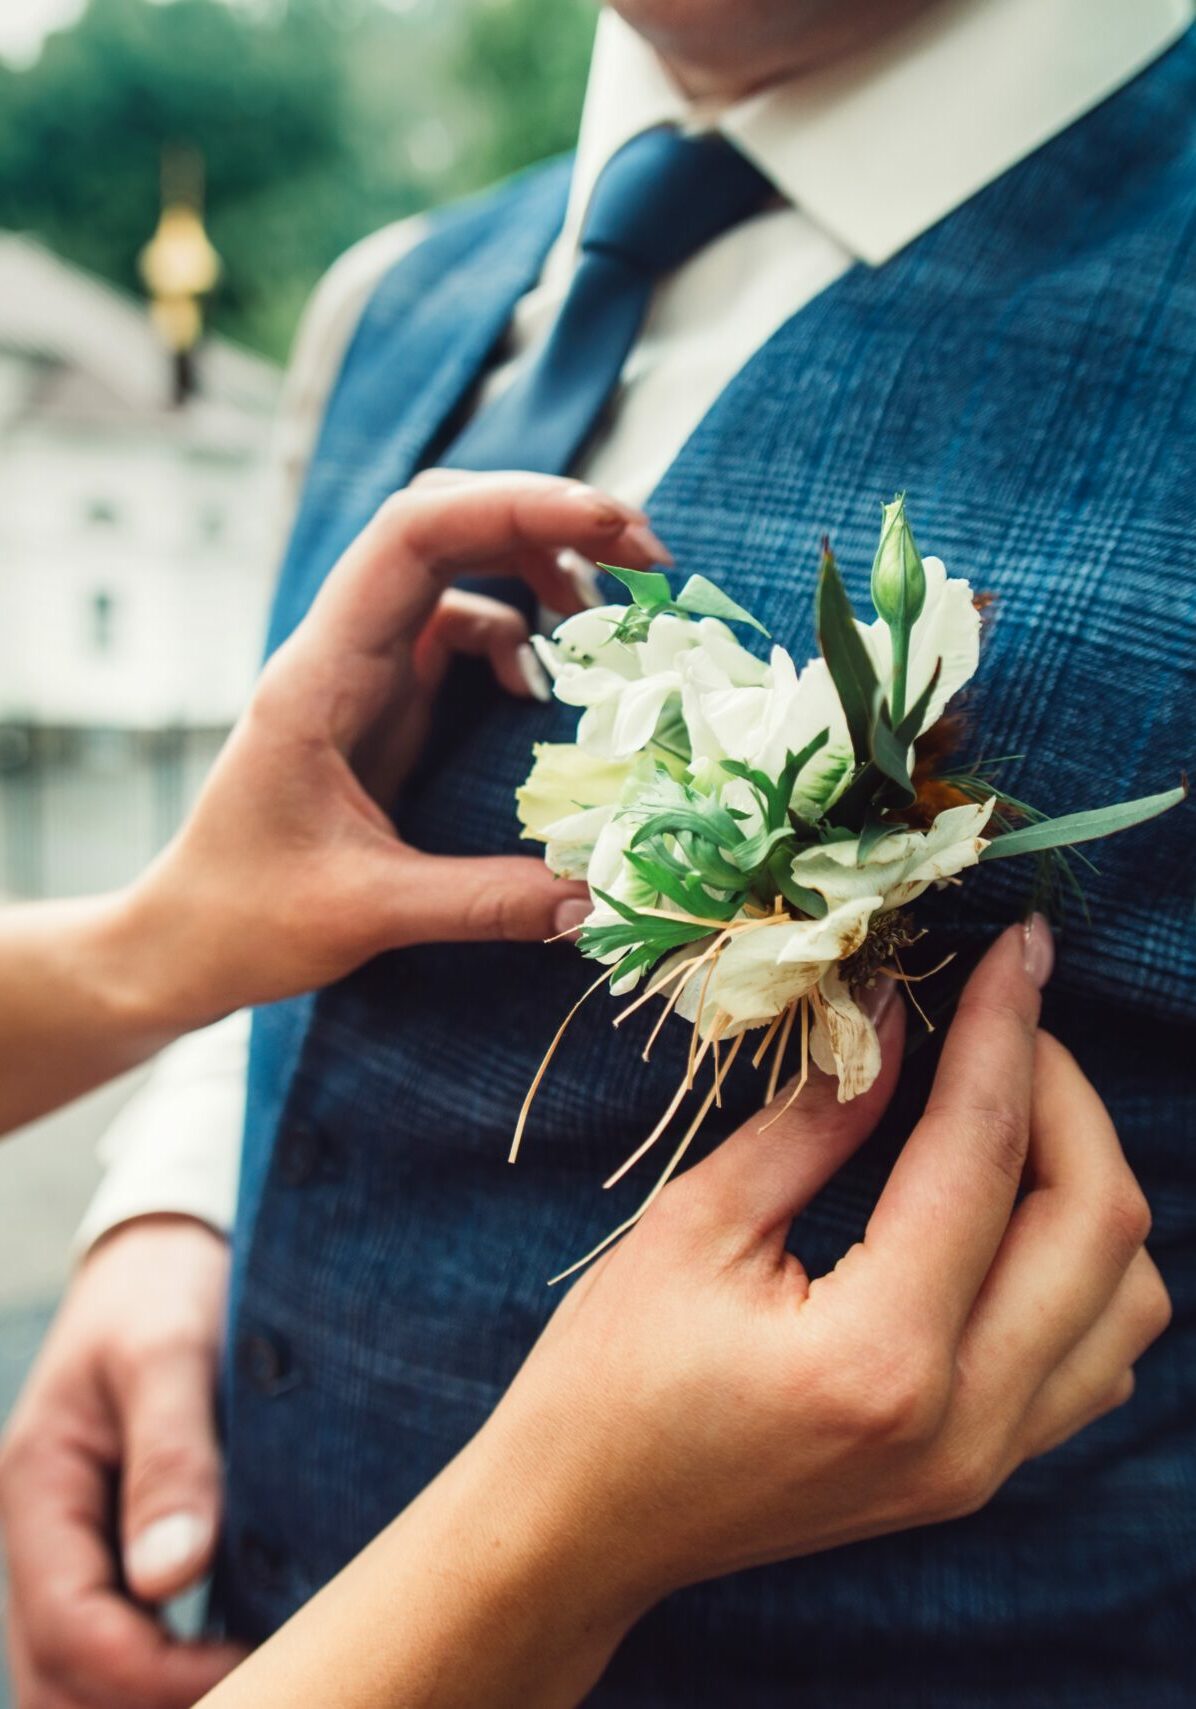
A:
x: 211, y: 524
x: 102, y: 513
x: 102, y: 621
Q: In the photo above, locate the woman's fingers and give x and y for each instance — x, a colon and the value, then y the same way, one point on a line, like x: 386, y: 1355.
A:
x: 760, y: 1177
x: 945, y: 1209
x: 1097, y: 1374
x: 387, y: 584
x: 1071, y: 1240
x: 473, y: 899
x: 470, y: 624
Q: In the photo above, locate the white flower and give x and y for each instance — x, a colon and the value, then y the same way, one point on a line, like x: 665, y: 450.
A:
x: 564, y: 779
x: 570, y: 797
x: 609, y: 871
x: 947, y: 630
x: 624, y: 686
x: 570, y: 842
x: 901, y: 866
x: 843, y: 1040
x: 765, y: 967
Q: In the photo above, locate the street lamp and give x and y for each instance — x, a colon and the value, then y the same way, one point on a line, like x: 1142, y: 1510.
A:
x: 180, y: 267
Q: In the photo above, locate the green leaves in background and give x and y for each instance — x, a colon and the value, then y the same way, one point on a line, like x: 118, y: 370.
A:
x: 319, y: 121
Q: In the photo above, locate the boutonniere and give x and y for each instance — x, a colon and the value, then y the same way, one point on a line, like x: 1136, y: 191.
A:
x: 754, y: 835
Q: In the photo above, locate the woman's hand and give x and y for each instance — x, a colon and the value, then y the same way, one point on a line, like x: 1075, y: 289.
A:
x: 707, y: 1407
x: 697, y: 1404
x: 289, y: 873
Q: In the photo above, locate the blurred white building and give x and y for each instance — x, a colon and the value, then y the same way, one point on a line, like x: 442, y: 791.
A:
x: 135, y: 570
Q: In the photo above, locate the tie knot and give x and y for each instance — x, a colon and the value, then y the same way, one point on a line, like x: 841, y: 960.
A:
x: 664, y: 196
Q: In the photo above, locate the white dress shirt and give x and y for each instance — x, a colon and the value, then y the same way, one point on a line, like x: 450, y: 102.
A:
x: 865, y: 157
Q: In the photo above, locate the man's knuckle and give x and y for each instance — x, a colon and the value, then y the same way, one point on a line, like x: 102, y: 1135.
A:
x: 166, y: 1465
x: 139, y: 1353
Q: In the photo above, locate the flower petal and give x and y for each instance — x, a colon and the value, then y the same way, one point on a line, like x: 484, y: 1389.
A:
x: 843, y: 1041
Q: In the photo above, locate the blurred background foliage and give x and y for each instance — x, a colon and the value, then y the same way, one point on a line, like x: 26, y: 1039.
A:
x: 317, y: 121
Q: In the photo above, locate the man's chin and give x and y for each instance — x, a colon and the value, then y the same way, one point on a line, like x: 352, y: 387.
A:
x: 732, y: 48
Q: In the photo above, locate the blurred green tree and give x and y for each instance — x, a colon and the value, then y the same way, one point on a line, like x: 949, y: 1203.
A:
x: 317, y: 120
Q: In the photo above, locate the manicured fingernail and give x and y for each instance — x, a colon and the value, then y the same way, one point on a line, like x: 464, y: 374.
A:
x: 583, y: 574
x: 641, y: 539
x: 167, y: 1545
x: 569, y: 915
x: 1038, y: 949
x: 877, y: 999
x: 533, y: 672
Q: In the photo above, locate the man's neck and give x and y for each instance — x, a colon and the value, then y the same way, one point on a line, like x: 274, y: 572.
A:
x: 833, y: 32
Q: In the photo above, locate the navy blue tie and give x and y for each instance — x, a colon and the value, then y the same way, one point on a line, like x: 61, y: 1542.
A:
x: 658, y: 201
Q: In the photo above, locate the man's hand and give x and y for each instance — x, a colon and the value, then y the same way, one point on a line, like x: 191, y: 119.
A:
x: 110, y: 1477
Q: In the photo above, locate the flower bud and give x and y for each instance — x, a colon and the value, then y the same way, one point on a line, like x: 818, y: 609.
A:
x: 898, y: 578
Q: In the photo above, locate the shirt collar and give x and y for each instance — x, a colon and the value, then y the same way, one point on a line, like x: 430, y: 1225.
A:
x: 880, y: 147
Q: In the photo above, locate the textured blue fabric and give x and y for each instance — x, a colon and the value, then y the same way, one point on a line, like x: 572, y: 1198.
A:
x: 660, y: 199
x: 1026, y: 369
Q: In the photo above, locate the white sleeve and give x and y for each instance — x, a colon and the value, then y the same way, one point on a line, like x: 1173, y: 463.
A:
x: 176, y: 1145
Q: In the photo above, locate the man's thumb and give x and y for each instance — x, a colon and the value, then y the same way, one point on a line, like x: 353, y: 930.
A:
x: 171, y: 1480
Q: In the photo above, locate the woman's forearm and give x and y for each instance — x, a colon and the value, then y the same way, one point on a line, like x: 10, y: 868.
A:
x: 88, y: 989
x: 490, y: 1589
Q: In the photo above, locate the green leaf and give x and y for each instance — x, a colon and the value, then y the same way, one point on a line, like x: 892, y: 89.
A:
x: 755, y: 851
x: 626, y: 909
x: 776, y: 793
x: 686, y: 890
x: 703, y: 599
x: 1084, y: 827
x: 810, y: 902
x: 910, y: 726
x: 845, y: 654
x: 890, y: 755
x: 698, y: 814
x: 701, y: 853
x: 648, y: 588
x: 874, y: 832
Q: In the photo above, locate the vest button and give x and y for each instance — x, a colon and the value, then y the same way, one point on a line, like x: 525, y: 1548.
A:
x: 263, y: 1563
x: 300, y: 1153
x: 266, y: 1365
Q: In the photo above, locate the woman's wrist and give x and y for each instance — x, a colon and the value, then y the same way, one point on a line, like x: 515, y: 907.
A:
x: 491, y: 1588
x: 525, y: 1553
x: 160, y: 955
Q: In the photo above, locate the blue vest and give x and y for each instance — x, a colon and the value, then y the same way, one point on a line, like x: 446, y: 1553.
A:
x: 1027, y: 369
